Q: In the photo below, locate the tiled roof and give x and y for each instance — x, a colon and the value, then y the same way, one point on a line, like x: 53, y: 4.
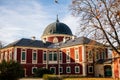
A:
x: 38, y: 43
x: 29, y: 43
x: 77, y: 41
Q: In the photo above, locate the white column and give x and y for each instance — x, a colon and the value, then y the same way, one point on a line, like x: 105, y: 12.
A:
x: 84, y: 69
x: 113, y: 75
x: 15, y: 54
x: 84, y: 60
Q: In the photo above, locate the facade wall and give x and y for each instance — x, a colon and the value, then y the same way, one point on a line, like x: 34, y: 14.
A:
x: 74, y: 63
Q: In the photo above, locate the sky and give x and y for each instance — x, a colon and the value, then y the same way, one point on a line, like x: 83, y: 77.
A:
x: 27, y: 18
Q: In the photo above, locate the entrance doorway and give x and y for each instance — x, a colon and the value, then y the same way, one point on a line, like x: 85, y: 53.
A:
x: 107, y: 71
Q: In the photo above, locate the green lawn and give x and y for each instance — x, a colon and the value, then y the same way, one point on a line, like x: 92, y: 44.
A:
x: 91, y: 79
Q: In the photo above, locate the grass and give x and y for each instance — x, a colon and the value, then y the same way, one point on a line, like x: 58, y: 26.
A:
x: 90, y: 79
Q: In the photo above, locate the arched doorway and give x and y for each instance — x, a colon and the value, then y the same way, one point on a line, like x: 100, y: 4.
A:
x: 107, y: 71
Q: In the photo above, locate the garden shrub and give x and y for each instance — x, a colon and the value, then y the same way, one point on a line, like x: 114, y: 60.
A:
x: 41, y: 71
x: 10, y: 70
x: 51, y: 77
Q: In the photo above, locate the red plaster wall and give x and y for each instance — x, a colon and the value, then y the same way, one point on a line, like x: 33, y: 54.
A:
x: 29, y: 56
x: 80, y: 53
x: 72, y: 55
x: 64, y: 55
x: 18, y: 54
x: 40, y: 56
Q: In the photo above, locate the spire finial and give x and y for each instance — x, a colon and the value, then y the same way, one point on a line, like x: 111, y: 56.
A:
x: 57, y: 19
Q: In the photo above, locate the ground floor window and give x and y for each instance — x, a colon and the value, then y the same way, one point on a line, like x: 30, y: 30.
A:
x: 34, y: 69
x: 53, y: 69
x: 77, y: 69
x: 90, y: 69
x: 61, y: 69
x: 68, y: 69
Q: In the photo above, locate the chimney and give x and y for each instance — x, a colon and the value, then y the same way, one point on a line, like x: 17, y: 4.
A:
x: 44, y: 40
x: 33, y: 38
x: 73, y: 37
x: 64, y: 39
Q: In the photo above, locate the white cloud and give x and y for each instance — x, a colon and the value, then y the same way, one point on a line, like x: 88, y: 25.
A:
x: 25, y: 20
x: 72, y: 22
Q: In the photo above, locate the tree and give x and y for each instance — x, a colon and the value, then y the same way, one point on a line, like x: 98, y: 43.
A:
x: 100, y: 20
x: 10, y: 70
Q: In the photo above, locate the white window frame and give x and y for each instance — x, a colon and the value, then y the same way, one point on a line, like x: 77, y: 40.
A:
x: 61, y: 69
x: 68, y: 55
x: 34, y: 61
x: 78, y: 69
x: 89, y: 69
x: 67, y: 69
x: 33, y: 68
x: 77, y: 53
x: 23, y: 61
x: 52, y: 59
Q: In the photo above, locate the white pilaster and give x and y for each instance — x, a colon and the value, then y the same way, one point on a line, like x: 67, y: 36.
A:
x: 84, y: 60
x: 15, y: 54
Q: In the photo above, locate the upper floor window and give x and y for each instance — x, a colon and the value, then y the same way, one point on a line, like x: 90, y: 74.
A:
x: 10, y: 55
x: 34, y: 57
x: 97, y: 55
x: 23, y: 56
x: 104, y: 55
x: 68, y: 56
x: 52, y: 56
x: 90, y: 56
x: 76, y: 56
x: 44, y: 55
x: 60, y: 56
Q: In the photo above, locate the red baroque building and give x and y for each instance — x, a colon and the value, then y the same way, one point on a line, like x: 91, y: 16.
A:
x: 58, y: 51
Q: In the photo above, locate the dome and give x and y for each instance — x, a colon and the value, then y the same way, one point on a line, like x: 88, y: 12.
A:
x: 57, y: 28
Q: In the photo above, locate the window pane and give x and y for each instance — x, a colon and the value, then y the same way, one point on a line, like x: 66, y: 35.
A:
x: 68, y: 56
x: 76, y: 55
x: 55, y: 56
x: 77, y: 69
x: 60, y: 56
x: 23, y: 55
x: 34, y: 56
x: 44, y: 57
x: 60, y: 69
x: 50, y: 56
x: 68, y: 69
